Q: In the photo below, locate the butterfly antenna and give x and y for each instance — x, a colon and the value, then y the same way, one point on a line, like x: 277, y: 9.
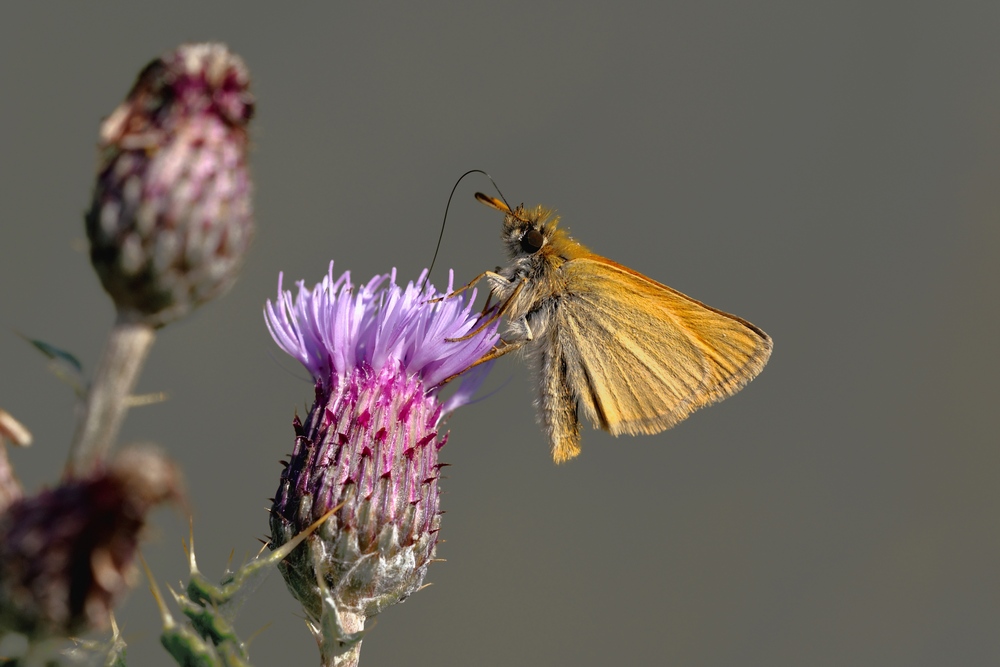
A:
x: 445, y: 219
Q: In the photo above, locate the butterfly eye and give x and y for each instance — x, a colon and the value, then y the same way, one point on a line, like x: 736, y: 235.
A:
x: 532, y: 242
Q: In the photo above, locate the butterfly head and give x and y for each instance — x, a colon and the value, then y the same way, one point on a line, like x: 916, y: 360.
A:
x: 526, y: 232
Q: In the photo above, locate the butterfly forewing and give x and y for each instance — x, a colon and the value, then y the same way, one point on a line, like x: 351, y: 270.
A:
x: 642, y: 362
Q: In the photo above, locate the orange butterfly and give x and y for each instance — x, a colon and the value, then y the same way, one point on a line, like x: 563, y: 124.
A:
x: 635, y: 355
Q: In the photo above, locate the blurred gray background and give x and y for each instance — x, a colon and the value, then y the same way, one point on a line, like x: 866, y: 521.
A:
x: 828, y: 171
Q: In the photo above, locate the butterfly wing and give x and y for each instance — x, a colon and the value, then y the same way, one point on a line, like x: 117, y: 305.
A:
x: 639, y: 356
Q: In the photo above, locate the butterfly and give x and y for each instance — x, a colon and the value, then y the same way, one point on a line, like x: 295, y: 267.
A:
x: 635, y: 356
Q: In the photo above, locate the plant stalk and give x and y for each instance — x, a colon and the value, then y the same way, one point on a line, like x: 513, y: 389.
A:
x: 125, y: 353
x: 350, y: 623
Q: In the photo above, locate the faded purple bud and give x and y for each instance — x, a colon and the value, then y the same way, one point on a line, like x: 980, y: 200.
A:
x: 66, y: 554
x: 370, y: 444
x: 171, y: 216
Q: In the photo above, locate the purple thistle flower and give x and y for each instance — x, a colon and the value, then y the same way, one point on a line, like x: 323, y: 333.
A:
x: 378, y: 354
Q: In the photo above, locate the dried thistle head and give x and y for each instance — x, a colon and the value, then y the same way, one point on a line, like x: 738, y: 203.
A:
x: 67, y: 554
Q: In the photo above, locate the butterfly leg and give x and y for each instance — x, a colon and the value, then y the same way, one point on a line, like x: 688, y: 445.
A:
x: 498, y: 351
x: 534, y: 324
x: 497, y: 314
x: 521, y: 330
x: 469, y: 285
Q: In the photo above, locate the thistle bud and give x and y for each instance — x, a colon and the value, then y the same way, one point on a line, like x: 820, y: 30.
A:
x: 369, y: 444
x: 66, y: 554
x: 171, y: 217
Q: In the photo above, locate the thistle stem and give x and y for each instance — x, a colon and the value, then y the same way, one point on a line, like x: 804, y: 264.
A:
x: 350, y: 623
x: 125, y: 353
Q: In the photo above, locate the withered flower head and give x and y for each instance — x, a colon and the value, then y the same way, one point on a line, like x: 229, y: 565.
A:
x: 66, y: 554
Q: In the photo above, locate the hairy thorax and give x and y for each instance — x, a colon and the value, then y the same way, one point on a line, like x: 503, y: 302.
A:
x: 528, y: 291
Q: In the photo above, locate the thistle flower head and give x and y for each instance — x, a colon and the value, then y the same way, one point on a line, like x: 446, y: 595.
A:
x: 171, y: 218
x: 67, y: 554
x: 369, y: 445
